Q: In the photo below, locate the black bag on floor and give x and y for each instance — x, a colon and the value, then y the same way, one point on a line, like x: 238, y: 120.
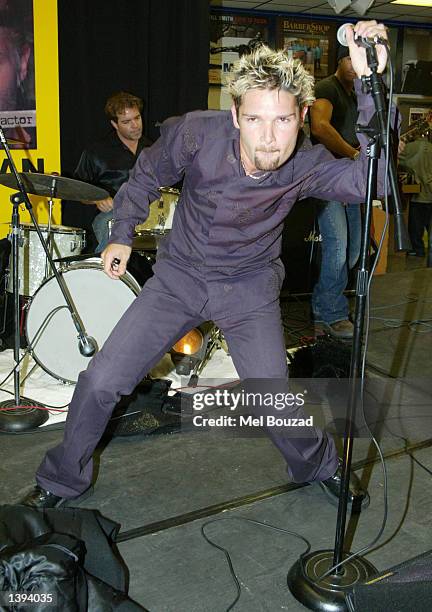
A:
x: 65, y: 553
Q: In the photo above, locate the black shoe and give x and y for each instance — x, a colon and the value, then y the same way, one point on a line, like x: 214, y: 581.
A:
x: 358, y: 498
x: 41, y: 498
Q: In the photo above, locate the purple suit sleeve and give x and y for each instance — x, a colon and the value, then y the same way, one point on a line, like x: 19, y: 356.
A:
x: 160, y: 165
x: 343, y: 179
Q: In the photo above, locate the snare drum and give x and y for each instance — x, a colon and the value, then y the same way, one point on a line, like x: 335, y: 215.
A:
x: 159, y: 221
x: 64, y: 242
x: 99, y: 301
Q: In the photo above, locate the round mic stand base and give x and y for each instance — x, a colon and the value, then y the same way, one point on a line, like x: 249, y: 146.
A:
x: 25, y: 417
x: 327, y: 594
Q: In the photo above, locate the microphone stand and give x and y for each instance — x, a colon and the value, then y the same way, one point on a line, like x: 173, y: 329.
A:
x: 23, y: 407
x: 315, y: 580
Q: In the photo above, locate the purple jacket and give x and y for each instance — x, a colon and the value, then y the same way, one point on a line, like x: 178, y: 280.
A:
x: 227, y: 228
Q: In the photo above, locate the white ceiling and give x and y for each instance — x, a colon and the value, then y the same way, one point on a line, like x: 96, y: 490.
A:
x: 382, y: 10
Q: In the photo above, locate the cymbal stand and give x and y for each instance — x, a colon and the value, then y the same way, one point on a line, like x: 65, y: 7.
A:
x: 22, y: 406
x: 86, y: 344
x: 49, y: 240
x: 215, y: 341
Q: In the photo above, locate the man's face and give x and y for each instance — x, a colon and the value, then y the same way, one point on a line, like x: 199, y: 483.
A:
x: 129, y: 124
x: 269, y: 121
x: 347, y: 70
x: 13, y: 69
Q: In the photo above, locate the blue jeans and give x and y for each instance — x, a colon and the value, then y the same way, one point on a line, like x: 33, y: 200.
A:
x: 340, y: 228
x: 101, y: 229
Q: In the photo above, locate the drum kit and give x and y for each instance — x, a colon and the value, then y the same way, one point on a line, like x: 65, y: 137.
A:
x: 71, y: 306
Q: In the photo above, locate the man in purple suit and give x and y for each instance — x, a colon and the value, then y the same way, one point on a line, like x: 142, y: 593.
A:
x: 242, y: 172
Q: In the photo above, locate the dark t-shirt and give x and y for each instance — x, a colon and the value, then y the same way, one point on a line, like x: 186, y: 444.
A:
x: 107, y: 163
x: 344, y: 115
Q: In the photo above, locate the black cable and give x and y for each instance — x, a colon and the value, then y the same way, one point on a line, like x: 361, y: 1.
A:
x: 419, y: 463
x: 227, y: 555
x: 60, y: 408
x: 26, y: 352
x: 30, y: 348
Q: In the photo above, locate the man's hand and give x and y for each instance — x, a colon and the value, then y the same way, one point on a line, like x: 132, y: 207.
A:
x: 366, y: 29
x: 118, y: 252
x: 104, y: 205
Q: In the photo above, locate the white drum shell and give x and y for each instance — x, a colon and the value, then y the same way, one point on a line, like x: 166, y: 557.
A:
x: 65, y: 242
x: 100, y: 302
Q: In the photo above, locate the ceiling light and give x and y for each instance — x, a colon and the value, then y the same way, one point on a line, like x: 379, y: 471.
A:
x: 427, y: 3
x: 361, y: 6
x: 339, y: 5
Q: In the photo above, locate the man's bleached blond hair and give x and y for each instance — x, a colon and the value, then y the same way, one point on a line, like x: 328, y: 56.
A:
x: 268, y: 69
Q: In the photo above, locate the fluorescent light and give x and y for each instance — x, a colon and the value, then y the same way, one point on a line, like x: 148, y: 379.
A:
x: 361, y: 6
x: 339, y: 5
x: 427, y: 3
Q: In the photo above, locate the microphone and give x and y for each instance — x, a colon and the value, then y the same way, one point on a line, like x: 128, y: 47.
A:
x: 360, y: 40
x: 87, y: 345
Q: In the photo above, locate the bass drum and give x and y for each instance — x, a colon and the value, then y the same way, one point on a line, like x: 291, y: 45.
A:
x: 99, y: 301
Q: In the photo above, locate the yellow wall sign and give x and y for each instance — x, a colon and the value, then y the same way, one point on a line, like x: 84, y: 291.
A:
x: 29, y: 107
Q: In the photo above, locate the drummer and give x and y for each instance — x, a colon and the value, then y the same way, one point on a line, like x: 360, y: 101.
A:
x: 107, y: 162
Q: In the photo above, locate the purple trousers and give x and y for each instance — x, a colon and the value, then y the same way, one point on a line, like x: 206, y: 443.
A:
x: 147, y: 330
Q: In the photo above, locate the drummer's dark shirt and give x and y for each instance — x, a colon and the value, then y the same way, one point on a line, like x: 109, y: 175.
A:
x: 107, y: 162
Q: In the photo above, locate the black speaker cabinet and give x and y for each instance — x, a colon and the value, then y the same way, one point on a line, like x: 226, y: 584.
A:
x: 403, y: 588
x: 301, y: 253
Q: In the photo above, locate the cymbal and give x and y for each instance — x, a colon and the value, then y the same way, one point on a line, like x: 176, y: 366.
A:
x: 55, y: 186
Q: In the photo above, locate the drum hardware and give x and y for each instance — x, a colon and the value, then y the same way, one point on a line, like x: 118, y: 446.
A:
x: 149, y: 256
x: 50, y: 208
x: 159, y: 220
x: 110, y: 226
x: 192, y: 353
x: 57, y: 186
x: 215, y: 341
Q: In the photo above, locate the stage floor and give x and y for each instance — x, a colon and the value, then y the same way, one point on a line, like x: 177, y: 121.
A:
x: 167, y: 486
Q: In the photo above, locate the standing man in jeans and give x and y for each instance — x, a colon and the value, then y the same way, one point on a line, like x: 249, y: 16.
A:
x: 333, y: 119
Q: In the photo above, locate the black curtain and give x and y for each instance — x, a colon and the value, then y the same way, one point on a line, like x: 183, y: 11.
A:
x: 155, y: 49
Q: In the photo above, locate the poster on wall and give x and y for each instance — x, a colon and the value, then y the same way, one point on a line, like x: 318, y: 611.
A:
x: 312, y: 42
x: 35, y: 74
x: 17, y: 76
x: 417, y: 114
x: 231, y: 35
x: 413, y: 110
